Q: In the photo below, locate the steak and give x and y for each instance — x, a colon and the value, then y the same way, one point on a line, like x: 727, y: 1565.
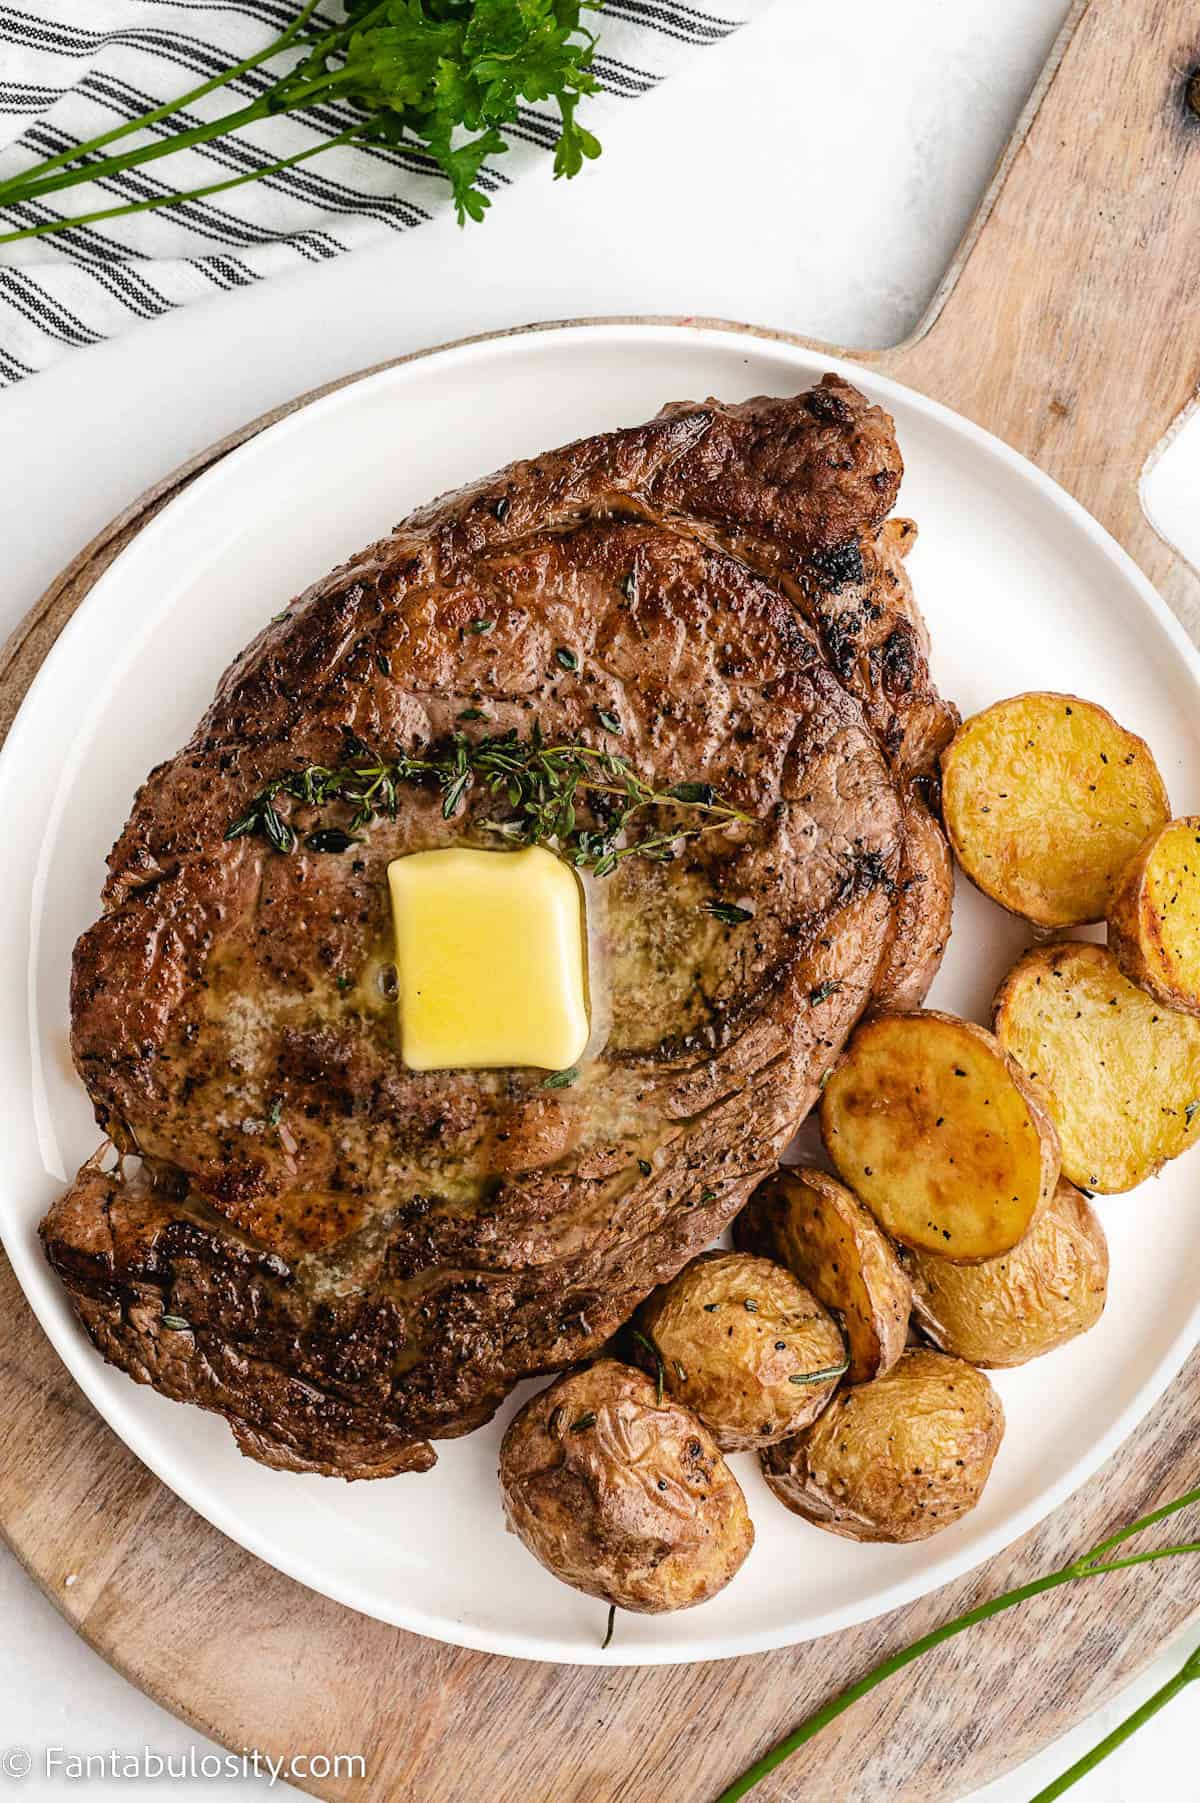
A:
x: 346, y: 1258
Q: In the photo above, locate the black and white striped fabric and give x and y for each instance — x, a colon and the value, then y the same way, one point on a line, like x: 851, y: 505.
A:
x: 70, y: 69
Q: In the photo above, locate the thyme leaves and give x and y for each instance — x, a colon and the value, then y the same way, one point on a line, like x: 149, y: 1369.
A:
x: 728, y: 913
x: 562, y: 1079
x: 545, y: 787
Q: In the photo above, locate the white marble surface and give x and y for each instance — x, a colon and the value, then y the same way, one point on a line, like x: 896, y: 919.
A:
x: 853, y: 143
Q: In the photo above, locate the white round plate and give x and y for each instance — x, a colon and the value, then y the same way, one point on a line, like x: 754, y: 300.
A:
x: 1021, y: 590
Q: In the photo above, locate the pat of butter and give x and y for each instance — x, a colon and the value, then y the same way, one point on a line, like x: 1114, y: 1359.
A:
x: 490, y: 959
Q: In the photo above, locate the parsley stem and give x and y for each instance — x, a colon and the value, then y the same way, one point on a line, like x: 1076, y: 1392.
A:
x: 1187, y: 1674
x: 78, y: 151
x: 1086, y: 1567
x: 433, y: 78
x: 176, y: 200
x: 292, y: 93
x: 104, y: 167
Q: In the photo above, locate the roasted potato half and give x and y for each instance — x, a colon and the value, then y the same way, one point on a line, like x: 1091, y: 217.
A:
x: 942, y: 1135
x: 1049, y: 1288
x: 1046, y: 798
x: 897, y: 1459
x: 620, y: 1496
x: 1123, y: 1072
x: 744, y: 1345
x: 822, y: 1232
x: 1154, y: 916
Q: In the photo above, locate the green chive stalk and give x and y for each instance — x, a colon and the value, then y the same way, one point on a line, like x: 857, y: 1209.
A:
x: 1093, y: 1564
x: 1187, y: 1674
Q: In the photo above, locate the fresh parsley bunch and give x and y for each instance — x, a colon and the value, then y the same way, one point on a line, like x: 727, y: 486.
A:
x: 438, y: 77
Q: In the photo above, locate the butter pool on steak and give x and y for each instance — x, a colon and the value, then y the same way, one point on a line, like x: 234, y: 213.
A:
x: 346, y: 1258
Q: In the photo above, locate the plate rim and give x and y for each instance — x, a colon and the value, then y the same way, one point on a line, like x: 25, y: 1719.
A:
x: 59, y: 1324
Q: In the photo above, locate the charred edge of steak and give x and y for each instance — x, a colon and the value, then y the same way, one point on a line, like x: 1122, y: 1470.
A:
x: 159, y: 1295
x: 204, y: 1318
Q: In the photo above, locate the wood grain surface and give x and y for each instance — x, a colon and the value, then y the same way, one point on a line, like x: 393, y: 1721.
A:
x: 1068, y: 326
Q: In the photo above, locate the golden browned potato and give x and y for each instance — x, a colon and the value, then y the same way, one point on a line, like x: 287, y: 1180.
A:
x: 897, y: 1459
x: 926, y: 884
x: 942, y: 1135
x: 744, y: 1344
x: 1045, y: 800
x: 620, y: 1496
x: 1123, y: 1072
x: 814, y: 1225
x: 1007, y: 1310
x: 1154, y: 916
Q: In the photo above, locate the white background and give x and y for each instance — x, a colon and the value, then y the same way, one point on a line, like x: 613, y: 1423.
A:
x: 852, y: 144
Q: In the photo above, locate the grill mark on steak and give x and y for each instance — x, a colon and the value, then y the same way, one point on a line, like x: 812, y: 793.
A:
x: 370, y: 1257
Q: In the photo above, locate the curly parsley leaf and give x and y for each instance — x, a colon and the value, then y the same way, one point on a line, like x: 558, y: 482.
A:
x: 441, y: 78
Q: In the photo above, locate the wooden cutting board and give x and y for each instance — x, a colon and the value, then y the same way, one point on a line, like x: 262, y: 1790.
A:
x: 1069, y: 325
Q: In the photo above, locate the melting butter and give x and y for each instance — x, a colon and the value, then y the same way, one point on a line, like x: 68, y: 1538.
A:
x: 490, y: 959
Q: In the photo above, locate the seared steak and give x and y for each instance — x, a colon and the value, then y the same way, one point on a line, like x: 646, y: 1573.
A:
x: 347, y: 1258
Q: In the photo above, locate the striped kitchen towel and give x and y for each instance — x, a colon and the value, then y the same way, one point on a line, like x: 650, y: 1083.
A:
x: 70, y: 69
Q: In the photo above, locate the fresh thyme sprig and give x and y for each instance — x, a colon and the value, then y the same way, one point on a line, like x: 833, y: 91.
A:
x: 440, y: 78
x: 1094, y: 1563
x: 544, y: 785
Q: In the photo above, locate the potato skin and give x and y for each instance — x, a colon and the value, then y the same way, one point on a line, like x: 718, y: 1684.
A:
x: 1046, y: 798
x: 898, y: 1459
x: 1154, y: 916
x: 1122, y: 1071
x: 1048, y: 1289
x: 926, y: 884
x: 635, y: 1506
x: 941, y: 1134
x: 732, y: 1332
x: 822, y: 1232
